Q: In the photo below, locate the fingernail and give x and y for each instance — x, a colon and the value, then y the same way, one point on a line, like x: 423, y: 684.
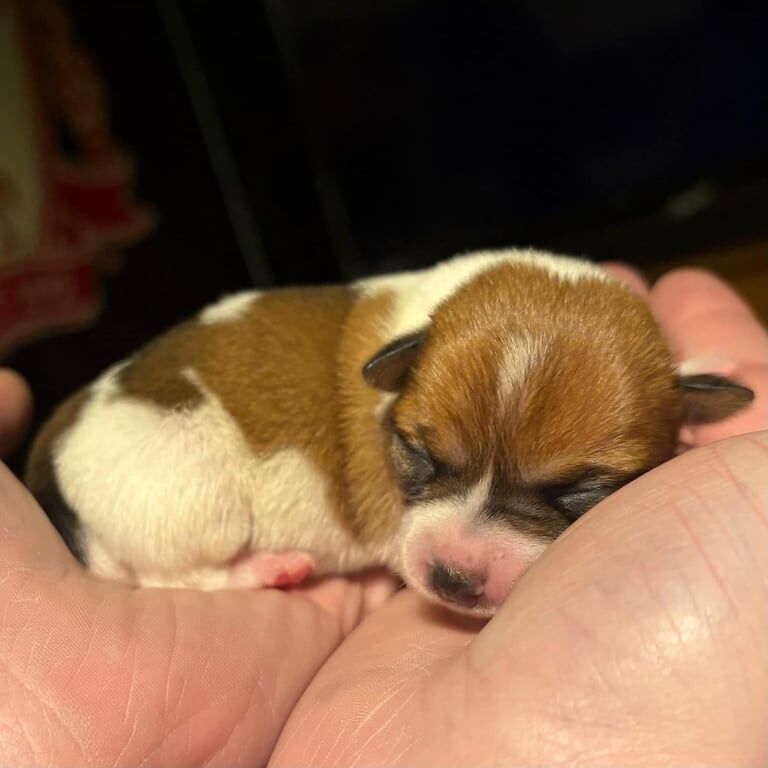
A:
x: 714, y: 362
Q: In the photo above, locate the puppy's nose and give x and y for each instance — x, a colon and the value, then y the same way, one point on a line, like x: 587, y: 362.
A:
x: 456, y: 586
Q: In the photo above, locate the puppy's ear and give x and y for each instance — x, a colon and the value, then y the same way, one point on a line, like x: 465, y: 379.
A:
x: 390, y: 367
x: 708, y: 397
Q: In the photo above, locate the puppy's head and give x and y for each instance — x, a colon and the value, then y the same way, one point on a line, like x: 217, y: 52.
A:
x: 526, y: 400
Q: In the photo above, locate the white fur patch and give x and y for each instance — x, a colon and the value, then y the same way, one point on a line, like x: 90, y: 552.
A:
x: 431, y: 516
x: 382, y: 407
x: 171, y: 496
x: 229, y: 308
x: 454, y: 532
x: 715, y: 362
x: 417, y: 294
x: 521, y: 356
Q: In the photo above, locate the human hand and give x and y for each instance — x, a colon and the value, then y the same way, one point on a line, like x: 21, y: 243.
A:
x: 637, y: 639
x: 94, y: 673
x: 711, y: 330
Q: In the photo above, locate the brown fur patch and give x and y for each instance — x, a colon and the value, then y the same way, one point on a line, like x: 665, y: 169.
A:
x: 596, y: 385
x: 39, y: 471
x: 275, y: 371
x: 155, y: 373
x: 374, y: 500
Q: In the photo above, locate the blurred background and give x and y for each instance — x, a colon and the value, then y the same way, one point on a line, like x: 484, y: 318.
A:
x: 304, y: 141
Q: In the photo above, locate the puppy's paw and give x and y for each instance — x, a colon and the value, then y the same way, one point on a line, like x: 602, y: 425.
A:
x: 271, y: 569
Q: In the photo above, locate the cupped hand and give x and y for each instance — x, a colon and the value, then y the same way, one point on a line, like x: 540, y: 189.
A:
x: 638, y: 639
x: 650, y: 590
x: 94, y: 673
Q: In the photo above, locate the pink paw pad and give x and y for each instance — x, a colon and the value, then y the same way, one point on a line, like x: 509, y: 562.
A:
x: 271, y: 569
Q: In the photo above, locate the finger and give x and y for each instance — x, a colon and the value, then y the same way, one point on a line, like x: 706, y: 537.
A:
x: 630, y: 276
x: 703, y: 316
x: 346, y: 715
x: 205, y: 678
x: 15, y: 410
x: 350, y: 598
x: 709, y: 326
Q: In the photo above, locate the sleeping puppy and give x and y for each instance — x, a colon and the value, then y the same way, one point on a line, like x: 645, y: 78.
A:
x: 448, y: 423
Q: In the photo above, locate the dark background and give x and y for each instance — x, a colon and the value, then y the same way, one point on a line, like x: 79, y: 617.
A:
x: 296, y: 141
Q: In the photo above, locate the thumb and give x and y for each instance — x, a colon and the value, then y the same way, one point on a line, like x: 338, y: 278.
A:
x: 712, y: 330
x: 27, y: 538
x: 15, y: 410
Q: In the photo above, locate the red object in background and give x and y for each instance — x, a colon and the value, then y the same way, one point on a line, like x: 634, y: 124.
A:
x: 42, y: 296
x: 60, y: 211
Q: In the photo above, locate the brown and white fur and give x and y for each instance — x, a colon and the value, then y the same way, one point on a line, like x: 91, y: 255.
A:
x: 448, y: 423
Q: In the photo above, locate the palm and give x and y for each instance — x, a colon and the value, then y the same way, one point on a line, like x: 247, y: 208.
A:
x: 107, y: 675
x: 623, y: 660
x: 95, y: 673
x: 613, y: 645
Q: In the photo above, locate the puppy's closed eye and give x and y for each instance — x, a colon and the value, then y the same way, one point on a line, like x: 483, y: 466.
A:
x: 576, y: 498
x: 413, y: 463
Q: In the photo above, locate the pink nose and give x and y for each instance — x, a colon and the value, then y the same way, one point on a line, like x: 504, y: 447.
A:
x: 456, y: 586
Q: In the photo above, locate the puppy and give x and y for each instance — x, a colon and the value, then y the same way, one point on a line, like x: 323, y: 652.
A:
x: 448, y: 423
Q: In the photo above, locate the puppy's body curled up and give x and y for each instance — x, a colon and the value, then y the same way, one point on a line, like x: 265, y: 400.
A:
x: 447, y: 423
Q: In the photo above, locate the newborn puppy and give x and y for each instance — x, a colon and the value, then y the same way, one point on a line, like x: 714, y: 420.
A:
x: 448, y: 423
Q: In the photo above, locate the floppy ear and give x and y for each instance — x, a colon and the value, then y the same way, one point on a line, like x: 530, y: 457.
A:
x: 708, y: 397
x: 390, y: 367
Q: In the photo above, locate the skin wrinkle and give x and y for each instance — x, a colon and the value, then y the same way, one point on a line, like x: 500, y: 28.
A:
x: 84, y: 659
x: 394, y: 716
x: 133, y: 649
x: 726, y: 534
x: 341, y: 732
x: 126, y: 745
x: 169, y: 666
x: 454, y: 710
x: 319, y: 743
x: 749, y: 496
x: 180, y: 696
x: 385, y: 697
x: 18, y: 733
x: 405, y: 671
x: 18, y: 730
x: 595, y: 673
x: 219, y: 751
x: 674, y: 507
x: 127, y: 714
x: 48, y: 708
x: 50, y: 636
x: 657, y: 600
x: 284, y: 745
x: 268, y: 699
x: 161, y: 743
x: 670, y: 614
x: 339, y: 735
